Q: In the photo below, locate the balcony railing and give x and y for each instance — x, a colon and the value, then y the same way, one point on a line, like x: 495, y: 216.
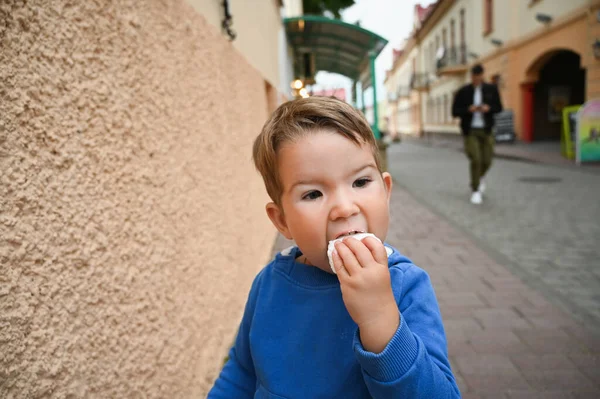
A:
x: 403, y: 91
x: 419, y: 81
x: 453, y: 57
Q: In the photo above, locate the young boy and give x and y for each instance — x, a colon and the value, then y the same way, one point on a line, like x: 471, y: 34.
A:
x: 374, y: 328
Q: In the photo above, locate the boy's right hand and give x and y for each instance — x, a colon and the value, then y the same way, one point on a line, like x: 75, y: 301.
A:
x: 362, y: 268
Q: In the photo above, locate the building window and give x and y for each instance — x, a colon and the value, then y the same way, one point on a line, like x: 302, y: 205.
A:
x: 452, y: 41
x: 437, y: 51
x: 414, y: 115
x: 462, y: 26
x: 488, y: 16
x: 444, y: 38
x: 452, y: 96
x: 463, y: 51
x: 445, y: 109
x: 432, y: 59
x: 429, y: 114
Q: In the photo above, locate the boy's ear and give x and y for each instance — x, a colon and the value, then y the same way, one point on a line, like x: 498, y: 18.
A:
x: 387, y: 182
x: 277, y: 217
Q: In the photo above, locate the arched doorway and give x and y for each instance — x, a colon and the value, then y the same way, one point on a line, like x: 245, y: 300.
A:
x: 555, y: 80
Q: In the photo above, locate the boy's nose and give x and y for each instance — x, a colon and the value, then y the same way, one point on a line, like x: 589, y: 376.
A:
x: 343, y: 207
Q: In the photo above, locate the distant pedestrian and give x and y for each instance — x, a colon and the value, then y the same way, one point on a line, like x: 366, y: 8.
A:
x: 475, y: 104
x: 495, y: 80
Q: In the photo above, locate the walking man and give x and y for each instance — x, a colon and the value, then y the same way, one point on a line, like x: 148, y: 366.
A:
x: 475, y: 104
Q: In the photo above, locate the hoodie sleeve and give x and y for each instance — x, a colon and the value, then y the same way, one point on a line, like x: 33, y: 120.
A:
x: 238, y: 379
x: 415, y: 363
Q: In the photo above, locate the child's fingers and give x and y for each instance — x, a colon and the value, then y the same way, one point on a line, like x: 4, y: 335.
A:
x: 350, y: 263
x: 360, y: 251
x: 338, y: 265
x: 377, y: 250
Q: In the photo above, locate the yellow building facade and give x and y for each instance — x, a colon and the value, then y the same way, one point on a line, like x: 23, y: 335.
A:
x: 542, y: 54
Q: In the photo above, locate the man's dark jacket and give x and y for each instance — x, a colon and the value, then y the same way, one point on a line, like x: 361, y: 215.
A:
x: 464, y: 99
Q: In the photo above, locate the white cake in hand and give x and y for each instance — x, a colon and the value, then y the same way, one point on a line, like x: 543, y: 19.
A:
x: 331, y: 246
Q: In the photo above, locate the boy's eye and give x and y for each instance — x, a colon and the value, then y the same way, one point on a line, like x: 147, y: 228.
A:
x: 312, y: 195
x: 362, y: 182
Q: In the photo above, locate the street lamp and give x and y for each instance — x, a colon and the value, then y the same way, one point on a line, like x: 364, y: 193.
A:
x: 297, y: 84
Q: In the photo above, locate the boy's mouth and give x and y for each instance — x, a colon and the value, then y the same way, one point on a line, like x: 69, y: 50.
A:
x: 349, y: 233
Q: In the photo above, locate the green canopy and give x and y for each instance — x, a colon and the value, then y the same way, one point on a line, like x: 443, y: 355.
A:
x: 335, y: 46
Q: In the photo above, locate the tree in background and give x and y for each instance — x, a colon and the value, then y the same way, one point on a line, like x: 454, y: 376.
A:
x: 320, y: 7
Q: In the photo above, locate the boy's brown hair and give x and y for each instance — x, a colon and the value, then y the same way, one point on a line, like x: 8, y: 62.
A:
x: 294, y: 120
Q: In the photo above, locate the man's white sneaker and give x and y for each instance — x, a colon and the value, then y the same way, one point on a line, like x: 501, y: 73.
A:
x: 476, y: 198
x: 481, y: 188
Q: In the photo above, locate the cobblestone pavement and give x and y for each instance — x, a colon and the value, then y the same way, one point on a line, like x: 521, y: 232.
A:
x: 546, y: 233
x: 538, y: 152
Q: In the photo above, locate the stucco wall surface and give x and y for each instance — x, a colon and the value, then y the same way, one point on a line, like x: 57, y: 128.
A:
x: 131, y: 218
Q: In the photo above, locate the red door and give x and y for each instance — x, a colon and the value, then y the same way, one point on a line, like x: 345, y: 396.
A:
x: 528, y: 98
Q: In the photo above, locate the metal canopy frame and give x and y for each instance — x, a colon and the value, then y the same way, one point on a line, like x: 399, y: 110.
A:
x: 338, y: 47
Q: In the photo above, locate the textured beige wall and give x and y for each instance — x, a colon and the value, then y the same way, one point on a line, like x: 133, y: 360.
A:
x: 131, y: 219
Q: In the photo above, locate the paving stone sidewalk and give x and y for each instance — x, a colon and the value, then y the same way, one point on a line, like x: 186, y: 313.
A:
x: 548, y: 153
x: 504, y: 339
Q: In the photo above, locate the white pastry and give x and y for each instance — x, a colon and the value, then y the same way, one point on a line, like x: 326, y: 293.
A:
x: 331, y: 246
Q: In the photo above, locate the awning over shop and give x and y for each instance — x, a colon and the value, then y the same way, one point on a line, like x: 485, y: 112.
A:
x: 337, y: 46
x: 325, y: 44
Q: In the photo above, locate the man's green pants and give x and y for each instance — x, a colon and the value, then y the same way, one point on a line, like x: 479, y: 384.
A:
x: 479, y: 147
